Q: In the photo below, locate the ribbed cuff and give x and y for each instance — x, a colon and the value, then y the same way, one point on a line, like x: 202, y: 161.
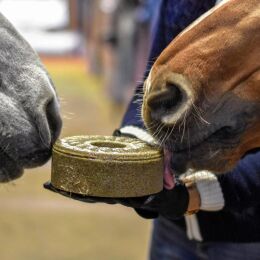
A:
x: 210, y: 191
x: 138, y: 133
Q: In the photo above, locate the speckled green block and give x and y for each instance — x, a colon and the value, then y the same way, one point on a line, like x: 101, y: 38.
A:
x: 106, y: 166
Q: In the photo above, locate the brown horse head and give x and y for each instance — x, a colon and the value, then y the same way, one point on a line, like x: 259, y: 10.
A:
x: 202, y: 96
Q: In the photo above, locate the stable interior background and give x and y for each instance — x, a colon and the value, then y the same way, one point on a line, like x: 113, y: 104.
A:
x: 80, y: 48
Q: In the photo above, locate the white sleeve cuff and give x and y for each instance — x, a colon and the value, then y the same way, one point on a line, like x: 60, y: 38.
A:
x: 138, y: 133
x: 210, y: 191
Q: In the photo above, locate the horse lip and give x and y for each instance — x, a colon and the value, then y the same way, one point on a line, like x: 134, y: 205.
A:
x: 181, y: 147
x: 9, y: 173
x: 11, y: 169
x: 35, y: 159
x: 211, y: 136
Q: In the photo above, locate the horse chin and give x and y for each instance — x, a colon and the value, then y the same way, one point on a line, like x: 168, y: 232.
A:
x: 206, y: 156
x: 9, y: 169
x: 35, y: 159
x: 6, y: 175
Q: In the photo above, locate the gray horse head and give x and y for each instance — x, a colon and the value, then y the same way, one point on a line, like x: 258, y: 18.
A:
x: 29, y: 111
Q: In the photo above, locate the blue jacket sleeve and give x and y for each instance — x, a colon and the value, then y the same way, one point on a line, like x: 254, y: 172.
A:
x: 173, y: 16
x: 132, y: 115
x: 241, y: 187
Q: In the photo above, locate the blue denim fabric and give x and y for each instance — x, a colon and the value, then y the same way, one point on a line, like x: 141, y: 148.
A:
x: 169, y: 242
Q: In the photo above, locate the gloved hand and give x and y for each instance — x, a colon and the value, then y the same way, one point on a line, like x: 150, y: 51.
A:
x: 170, y: 204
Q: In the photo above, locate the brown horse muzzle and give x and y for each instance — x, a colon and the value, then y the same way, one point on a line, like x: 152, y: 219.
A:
x: 202, y: 96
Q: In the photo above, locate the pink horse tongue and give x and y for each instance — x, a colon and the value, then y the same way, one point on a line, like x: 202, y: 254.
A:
x: 168, y: 176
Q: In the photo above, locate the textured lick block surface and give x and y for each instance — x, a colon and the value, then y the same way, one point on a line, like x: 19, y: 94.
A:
x: 106, y: 166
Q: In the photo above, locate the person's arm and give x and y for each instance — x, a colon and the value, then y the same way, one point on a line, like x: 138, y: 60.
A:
x: 235, y: 190
x: 241, y: 187
x: 170, y: 21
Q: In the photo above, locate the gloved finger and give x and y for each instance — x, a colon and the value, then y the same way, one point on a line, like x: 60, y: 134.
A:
x: 136, y: 202
x: 79, y: 197
x: 89, y: 199
x: 47, y: 185
x: 147, y: 214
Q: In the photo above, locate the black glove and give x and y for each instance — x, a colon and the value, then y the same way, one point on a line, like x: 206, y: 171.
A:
x: 170, y: 204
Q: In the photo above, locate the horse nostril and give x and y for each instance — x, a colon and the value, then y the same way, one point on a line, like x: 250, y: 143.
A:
x: 164, y: 101
x: 54, y: 119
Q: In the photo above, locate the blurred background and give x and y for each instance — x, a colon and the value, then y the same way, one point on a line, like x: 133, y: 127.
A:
x: 95, y: 52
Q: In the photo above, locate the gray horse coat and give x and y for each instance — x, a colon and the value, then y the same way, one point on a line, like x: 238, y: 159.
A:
x: 29, y: 111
